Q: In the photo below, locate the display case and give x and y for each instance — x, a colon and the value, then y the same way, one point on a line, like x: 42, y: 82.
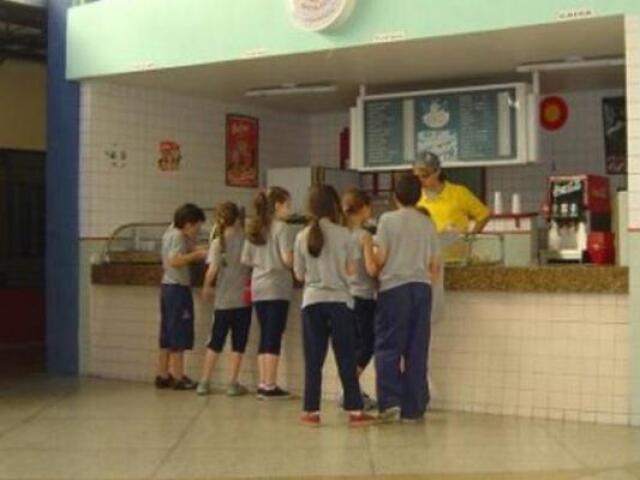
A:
x: 142, y: 242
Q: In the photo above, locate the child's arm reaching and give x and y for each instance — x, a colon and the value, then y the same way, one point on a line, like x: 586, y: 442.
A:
x: 298, y: 262
x: 369, y: 255
x: 182, y: 259
x: 207, y: 284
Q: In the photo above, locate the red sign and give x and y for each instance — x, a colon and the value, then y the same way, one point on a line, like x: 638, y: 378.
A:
x: 242, y: 151
x: 553, y: 113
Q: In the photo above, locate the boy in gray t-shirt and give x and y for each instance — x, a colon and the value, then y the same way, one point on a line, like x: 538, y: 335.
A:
x: 407, y: 256
x: 176, y: 302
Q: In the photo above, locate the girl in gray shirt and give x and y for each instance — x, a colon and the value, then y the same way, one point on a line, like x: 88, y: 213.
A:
x: 356, y: 206
x: 231, y: 312
x: 268, y: 250
x: 324, y: 256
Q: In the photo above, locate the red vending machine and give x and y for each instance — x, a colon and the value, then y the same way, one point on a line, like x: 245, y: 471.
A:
x: 578, y: 212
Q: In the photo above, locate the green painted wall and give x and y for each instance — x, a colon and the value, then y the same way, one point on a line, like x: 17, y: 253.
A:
x: 118, y: 36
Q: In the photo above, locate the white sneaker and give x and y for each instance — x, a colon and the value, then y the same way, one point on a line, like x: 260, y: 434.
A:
x: 203, y: 388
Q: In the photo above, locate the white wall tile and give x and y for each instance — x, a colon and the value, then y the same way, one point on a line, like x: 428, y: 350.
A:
x: 136, y: 120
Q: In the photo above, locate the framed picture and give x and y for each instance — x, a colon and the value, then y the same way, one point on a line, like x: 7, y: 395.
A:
x: 614, y: 119
x: 242, y: 136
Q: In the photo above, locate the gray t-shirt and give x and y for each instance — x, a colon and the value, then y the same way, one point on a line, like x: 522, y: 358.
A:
x: 232, y: 275
x: 175, y: 243
x: 410, y: 241
x: 325, y: 277
x: 362, y: 285
x: 270, y: 279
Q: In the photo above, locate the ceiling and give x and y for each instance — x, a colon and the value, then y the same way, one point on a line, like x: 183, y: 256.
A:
x: 427, y: 63
x: 23, y: 31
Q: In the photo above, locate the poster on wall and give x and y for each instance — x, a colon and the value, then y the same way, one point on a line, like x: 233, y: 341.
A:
x: 614, y: 117
x: 170, y: 156
x: 241, y: 151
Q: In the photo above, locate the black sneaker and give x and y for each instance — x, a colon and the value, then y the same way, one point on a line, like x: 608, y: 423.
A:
x: 185, y: 383
x: 164, y: 382
x: 276, y: 393
x: 260, y: 393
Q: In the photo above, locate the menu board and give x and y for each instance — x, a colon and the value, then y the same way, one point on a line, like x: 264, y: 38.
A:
x: 384, y: 143
x: 472, y: 126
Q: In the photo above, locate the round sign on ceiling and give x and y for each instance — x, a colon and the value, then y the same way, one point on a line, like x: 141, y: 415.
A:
x: 317, y: 15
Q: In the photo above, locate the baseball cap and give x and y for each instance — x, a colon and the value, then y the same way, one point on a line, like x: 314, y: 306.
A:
x: 427, y: 160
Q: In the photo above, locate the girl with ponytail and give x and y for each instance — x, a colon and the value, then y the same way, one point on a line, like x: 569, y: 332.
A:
x: 324, y: 257
x: 356, y: 206
x: 268, y: 250
x: 231, y: 313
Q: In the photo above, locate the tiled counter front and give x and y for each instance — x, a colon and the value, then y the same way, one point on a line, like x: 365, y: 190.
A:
x: 560, y: 356
x: 124, y: 337
x: 548, y: 355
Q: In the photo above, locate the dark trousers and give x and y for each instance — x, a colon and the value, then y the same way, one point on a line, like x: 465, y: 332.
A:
x: 176, y: 324
x: 319, y: 322
x: 365, y: 311
x: 272, y: 318
x: 236, y: 320
x: 402, y: 333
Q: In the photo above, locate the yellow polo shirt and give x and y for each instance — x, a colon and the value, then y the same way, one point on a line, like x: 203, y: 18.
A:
x: 454, y: 207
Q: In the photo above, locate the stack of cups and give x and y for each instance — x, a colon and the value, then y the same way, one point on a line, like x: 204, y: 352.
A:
x: 516, y: 204
x: 497, y: 203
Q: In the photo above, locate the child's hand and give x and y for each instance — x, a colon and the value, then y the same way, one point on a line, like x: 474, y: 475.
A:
x: 199, y: 254
x: 366, y: 240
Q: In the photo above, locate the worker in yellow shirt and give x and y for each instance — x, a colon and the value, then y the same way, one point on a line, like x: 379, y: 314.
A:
x: 452, y: 207
x: 455, y: 211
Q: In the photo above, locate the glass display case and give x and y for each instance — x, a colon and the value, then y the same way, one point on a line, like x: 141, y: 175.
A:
x: 141, y: 242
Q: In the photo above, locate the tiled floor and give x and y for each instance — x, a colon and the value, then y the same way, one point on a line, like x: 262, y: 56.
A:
x: 96, y: 429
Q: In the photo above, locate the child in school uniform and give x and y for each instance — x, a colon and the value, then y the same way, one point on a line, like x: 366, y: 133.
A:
x: 268, y: 250
x: 356, y: 206
x: 324, y: 256
x: 407, y: 255
x: 176, y: 301
x: 231, y: 312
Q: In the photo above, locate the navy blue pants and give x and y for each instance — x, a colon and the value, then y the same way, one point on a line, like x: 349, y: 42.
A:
x: 365, y: 311
x: 238, y: 321
x: 319, y: 322
x: 176, y: 311
x: 403, y: 331
x: 272, y: 317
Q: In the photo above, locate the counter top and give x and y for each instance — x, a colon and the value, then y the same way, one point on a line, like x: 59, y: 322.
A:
x: 140, y: 274
x: 482, y: 278
x: 542, y: 279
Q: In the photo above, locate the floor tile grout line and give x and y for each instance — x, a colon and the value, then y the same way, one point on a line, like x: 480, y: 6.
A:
x: 33, y: 416
x: 566, y: 448
x: 372, y: 466
x: 179, y: 440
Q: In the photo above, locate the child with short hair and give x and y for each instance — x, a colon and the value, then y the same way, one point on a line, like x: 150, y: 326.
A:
x: 176, y: 301
x: 268, y: 250
x: 356, y: 205
x: 324, y: 257
x: 231, y: 312
x: 408, y: 257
